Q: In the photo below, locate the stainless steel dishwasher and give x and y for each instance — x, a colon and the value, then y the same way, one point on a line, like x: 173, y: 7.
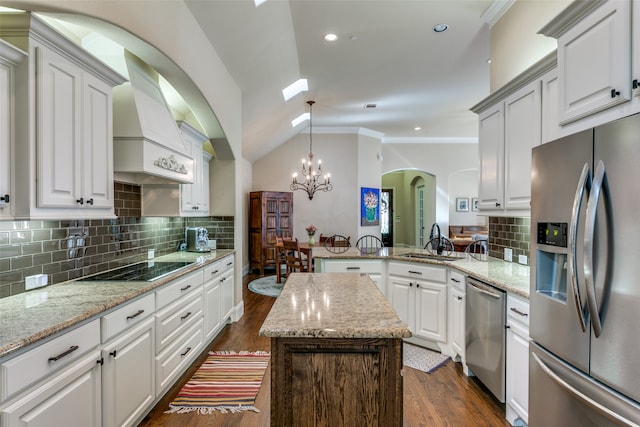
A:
x: 485, y: 314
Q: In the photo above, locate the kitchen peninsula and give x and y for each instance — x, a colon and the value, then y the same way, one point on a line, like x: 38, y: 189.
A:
x: 336, y: 353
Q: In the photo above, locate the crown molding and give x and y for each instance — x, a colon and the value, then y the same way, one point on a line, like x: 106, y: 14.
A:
x: 496, y: 9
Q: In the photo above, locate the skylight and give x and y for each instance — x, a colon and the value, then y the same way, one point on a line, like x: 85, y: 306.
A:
x: 301, y: 118
x: 295, y: 88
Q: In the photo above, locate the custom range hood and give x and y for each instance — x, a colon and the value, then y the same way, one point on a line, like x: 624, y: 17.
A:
x: 147, y: 145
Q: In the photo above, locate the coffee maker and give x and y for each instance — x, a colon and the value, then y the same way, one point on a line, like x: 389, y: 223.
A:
x: 197, y: 239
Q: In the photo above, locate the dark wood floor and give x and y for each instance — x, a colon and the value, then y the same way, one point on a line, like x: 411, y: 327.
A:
x: 444, y: 398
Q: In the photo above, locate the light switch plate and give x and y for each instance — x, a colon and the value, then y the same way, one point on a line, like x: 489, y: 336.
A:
x: 522, y: 259
x: 35, y: 281
x: 508, y: 254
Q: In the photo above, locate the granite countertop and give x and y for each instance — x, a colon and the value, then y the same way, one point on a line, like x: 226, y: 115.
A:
x: 332, y: 305
x: 40, y: 313
x: 508, y: 276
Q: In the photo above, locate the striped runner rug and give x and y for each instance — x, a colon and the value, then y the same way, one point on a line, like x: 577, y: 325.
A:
x: 226, y: 382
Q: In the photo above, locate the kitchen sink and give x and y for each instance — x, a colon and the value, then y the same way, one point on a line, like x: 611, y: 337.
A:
x: 430, y: 256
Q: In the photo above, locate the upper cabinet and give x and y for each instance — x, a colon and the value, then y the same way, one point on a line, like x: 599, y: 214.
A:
x: 510, y: 126
x: 598, y: 71
x: 10, y: 57
x: 65, y: 165
x: 182, y: 199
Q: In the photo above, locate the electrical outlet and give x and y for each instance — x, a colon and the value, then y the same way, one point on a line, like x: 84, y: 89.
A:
x: 522, y: 259
x: 35, y: 281
x: 151, y: 254
x: 508, y: 254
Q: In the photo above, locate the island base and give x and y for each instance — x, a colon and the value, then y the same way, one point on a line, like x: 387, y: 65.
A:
x: 336, y: 382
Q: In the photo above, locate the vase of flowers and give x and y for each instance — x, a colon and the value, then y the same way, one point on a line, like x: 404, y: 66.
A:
x: 311, y: 232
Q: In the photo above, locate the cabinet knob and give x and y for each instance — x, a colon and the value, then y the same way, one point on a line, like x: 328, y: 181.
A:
x: 90, y: 202
x: 614, y: 93
x: 80, y: 200
x: 635, y: 84
x: 459, y: 298
x: 497, y: 204
x: 4, y: 198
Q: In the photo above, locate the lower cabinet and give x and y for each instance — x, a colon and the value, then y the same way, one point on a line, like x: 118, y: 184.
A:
x: 517, y: 387
x: 372, y: 267
x: 227, y: 286
x: 419, y: 296
x: 71, y: 397
x: 457, y: 316
x: 126, y: 357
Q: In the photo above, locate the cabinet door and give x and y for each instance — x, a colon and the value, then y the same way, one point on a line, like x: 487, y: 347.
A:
x: 191, y: 193
x: 594, y: 60
x: 212, y: 307
x: 130, y: 356
x: 491, y: 135
x: 431, y: 311
x: 97, y: 144
x: 456, y: 317
x: 59, y: 88
x: 550, y: 122
x: 517, y: 386
x: 204, y: 198
x: 70, y: 398
x: 6, y: 135
x: 227, y: 283
x: 402, y: 299
x: 522, y: 128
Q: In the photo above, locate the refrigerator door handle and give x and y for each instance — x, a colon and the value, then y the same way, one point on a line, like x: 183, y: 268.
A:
x: 583, y: 184
x: 589, y: 235
x: 581, y: 396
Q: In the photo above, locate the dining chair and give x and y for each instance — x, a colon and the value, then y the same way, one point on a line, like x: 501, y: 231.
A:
x: 293, y: 256
x: 477, y: 248
x: 369, y: 241
x: 337, y: 243
x: 447, y: 246
x: 281, y: 261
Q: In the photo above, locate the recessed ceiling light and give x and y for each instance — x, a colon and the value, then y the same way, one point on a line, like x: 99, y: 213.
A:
x: 330, y: 37
x: 295, y: 88
x: 259, y: 2
x: 489, y: 61
x: 417, y: 128
x: 440, y: 28
x: 353, y: 37
x: 365, y: 106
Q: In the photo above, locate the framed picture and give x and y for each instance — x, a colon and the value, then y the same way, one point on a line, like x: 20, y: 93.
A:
x: 474, y: 204
x: 462, y: 204
x: 369, y: 206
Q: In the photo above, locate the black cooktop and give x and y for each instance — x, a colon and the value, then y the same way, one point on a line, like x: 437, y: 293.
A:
x: 142, y: 272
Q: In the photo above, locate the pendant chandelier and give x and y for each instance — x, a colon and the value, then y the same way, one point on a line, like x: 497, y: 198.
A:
x: 313, y: 179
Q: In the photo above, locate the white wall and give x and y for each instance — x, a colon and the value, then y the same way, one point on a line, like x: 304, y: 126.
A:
x: 464, y: 184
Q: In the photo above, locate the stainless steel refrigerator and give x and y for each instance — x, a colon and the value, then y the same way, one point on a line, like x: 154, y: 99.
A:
x: 584, y: 366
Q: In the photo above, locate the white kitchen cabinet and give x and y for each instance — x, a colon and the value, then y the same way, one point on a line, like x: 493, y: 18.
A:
x: 172, y: 361
x: 372, y: 267
x: 212, y: 293
x: 551, y: 129
x: 129, y: 356
x: 517, y: 362
x: 42, y: 386
x: 70, y: 398
x: 227, y: 286
x: 601, y: 44
x: 457, y: 316
x: 184, y: 200
x: 65, y: 159
x: 419, y: 296
x: 10, y: 57
x: 508, y: 132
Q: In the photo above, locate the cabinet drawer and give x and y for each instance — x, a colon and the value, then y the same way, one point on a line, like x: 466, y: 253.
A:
x: 127, y: 316
x: 353, y: 266
x: 21, y: 371
x: 176, y: 358
x: 457, y: 280
x: 212, y: 270
x: 178, y: 288
x: 175, y: 318
x: 227, y: 263
x: 518, y: 310
x: 418, y: 271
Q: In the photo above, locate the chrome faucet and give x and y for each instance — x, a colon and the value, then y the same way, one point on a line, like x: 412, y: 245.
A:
x: 439, y: 245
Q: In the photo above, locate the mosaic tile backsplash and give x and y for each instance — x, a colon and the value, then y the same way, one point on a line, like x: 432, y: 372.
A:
x: 506, y: 232
x: 69, y: 249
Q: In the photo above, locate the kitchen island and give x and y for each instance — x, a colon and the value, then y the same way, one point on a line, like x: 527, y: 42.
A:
x: 336, y: 348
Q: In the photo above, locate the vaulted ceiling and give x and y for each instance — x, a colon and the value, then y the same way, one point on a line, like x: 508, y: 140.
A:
x: 387, y: 54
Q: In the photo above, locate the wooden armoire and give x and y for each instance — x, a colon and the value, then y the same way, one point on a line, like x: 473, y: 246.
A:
x: 270, y: 216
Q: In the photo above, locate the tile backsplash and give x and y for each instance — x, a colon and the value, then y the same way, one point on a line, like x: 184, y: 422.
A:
x: 69, y: 249
x: 508, y: 232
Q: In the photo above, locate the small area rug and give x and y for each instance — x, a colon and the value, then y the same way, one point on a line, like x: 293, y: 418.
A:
x: 422, y: 359
x: 226, y: 382
x: 266, y: 286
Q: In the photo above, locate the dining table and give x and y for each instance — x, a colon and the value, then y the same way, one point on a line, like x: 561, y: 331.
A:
x: 305, y: 248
